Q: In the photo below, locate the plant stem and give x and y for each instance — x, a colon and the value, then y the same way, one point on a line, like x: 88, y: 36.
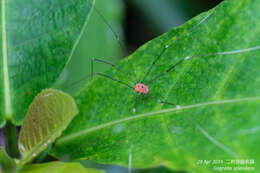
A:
x: 11, y: 140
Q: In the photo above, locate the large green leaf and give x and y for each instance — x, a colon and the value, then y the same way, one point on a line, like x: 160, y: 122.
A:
x: 218, y: 94
x: 37, y: 40
x: 48, y: 115
x: 58, y: 167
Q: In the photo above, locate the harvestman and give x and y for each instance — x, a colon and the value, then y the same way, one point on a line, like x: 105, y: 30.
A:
x: 141, y: 87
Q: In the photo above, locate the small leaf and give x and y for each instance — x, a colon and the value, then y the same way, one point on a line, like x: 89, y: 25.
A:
x: 218, y: 94
x: 57, y: 167
x: 48, y: 115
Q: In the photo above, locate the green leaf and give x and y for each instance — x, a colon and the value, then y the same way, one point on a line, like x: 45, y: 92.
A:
x: 48, y: 115
x: 7, y: 164
x: 37, y: 40
x: 218, y: 92
x: 58, y: 167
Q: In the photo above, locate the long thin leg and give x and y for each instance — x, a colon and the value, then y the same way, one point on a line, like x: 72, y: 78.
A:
x: 92, y: 68
x: 113, y: 65
x: 136, y: 100
x: 171, y: 43
x: 116, y: 36
x: 130, y: 159
x: 163, y: 102
x: 165, y: 72
x: 107, y: 23
x: 92, y: 73
x: 106, y: 76
x: 130, y: 148
x: 202, y: 55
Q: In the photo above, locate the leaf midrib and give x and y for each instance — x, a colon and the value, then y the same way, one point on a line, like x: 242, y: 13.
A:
x: 160, y: 112
x: 6, y: 84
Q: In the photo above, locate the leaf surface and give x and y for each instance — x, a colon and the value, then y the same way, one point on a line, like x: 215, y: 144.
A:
x: 48, y: 115
x: 217, y: 88
x: 37, y: 40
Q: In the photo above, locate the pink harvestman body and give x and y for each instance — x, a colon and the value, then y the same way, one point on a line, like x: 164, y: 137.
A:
x: 141, y: 88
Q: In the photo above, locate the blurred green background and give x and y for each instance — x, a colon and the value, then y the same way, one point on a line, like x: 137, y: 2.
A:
x: 136, y: 22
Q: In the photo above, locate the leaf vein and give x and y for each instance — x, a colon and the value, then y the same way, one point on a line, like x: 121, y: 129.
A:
x: 148, y: 114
